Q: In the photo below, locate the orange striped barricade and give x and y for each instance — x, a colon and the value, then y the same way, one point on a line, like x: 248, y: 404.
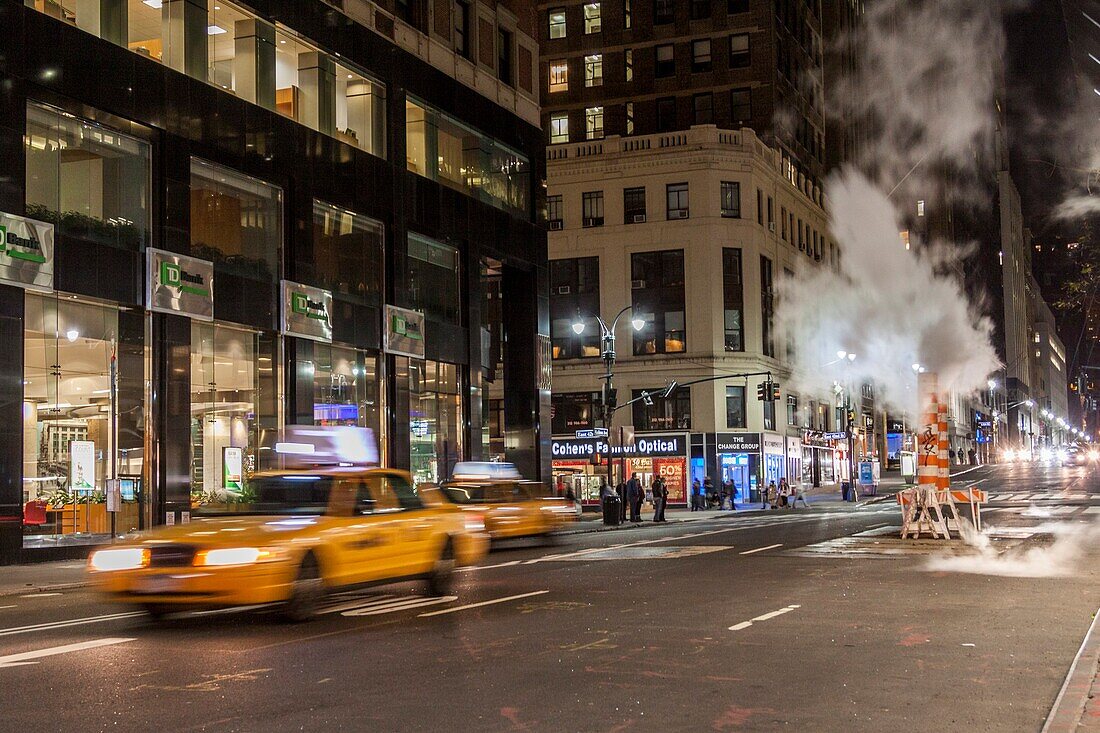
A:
x: 922, y: 513
x: 943, y: 447
x: 928, y: 463
x: 975, y: 498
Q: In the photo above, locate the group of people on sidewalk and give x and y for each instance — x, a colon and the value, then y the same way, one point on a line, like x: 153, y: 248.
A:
x: 632, y: 495
x: 783, y: 496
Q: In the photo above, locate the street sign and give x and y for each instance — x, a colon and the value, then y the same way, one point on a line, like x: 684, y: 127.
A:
x: 836, y: 436
x: 592, y: 433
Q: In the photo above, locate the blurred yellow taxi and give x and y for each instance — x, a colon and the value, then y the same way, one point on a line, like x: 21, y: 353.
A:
x: 293, y: 537
x: 508, y: 505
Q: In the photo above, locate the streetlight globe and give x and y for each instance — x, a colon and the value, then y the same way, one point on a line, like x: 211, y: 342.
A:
x: 638, y: 323
x: 841, y: 354
x: 851, y: 357
x: 992, y: 383
x: 1029, y: 403
x: 578, y: 327
x: 916, y: 367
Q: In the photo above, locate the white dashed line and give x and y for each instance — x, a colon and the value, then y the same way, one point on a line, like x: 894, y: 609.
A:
x: 16, y: 660
x: 764, y: 617
x: 483, y: 603
x: 761, y: 549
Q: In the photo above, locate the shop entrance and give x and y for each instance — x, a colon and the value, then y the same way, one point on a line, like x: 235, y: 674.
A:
x: 737, y: 467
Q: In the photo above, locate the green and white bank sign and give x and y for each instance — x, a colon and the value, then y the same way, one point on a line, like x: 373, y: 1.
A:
x: 179, y: 284
x: 306, y: 311
x: 26, y: 252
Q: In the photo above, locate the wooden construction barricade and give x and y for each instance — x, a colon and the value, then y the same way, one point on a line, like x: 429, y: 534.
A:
x: 934, y: 512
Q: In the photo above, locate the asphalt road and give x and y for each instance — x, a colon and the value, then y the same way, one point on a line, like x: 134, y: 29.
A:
x: 816, y: 620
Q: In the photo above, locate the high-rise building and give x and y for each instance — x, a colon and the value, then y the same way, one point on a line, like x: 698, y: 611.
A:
x: 686, y: 149
x: 223, y: 219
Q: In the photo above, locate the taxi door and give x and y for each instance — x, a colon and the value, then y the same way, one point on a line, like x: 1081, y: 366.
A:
x: 363, y: 536
x: 415, y: 526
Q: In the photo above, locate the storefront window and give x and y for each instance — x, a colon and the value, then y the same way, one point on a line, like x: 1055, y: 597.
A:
x: 229, y: 408
x: 435, y: 419
x: 74, y: 393
x: 443, y: 149
x: 433, y: 280
x: 664, y: 413
x: 88, y: 180
x: 236, y: 221
x: 345, y: 387
x: 347, y: 252
x: 574, y: 411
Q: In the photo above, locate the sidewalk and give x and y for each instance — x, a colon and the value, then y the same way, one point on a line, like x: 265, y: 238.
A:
x: 41, y: 577
x: 1077, y: 707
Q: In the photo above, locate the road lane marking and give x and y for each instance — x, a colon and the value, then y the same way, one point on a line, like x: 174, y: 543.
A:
x: 761, y: 549
x: 39, y: 595
x: 483, y: 603
x: 472, y: 568
x: 764, y: 617
x: 15, y: 660
x: 398, y: 605
x: 357, y: 603
x: 3, y: 607
x: 69, y: 622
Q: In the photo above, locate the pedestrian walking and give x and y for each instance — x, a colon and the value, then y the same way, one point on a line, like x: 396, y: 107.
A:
x: 621, y: 491
x: 727, y: 491
x: 764, y: 497
x: 695, y: 489
x: 636, y: 494
x: 660, y: 498
x: 972, y: 454
x: 799, y: 495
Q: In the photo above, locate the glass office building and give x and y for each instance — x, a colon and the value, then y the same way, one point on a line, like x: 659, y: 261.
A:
x: 210, y: 152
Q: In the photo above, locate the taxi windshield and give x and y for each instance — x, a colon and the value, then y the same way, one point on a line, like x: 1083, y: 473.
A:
x: 465, y: 493
x: 283, y: 494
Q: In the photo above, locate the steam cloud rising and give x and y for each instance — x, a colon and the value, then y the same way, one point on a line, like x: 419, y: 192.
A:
x: 924, y: 93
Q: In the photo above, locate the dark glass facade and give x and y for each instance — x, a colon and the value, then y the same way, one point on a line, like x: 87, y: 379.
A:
x: 267, y: 189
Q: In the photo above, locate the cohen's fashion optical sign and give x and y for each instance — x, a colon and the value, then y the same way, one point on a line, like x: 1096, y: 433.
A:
x: 179, y: 284
x: 26, y: 252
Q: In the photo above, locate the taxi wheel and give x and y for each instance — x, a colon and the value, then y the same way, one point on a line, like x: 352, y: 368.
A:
x: 306, y: 593
x: 157, y: 611
x: 442, y: 575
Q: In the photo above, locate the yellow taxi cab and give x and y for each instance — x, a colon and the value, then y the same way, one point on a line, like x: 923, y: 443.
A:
x: 509, y: 506
x: 301, y: 534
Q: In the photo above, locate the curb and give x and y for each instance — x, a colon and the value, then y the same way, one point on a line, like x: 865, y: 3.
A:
x: 1069, y: 706
x: 32, y: 588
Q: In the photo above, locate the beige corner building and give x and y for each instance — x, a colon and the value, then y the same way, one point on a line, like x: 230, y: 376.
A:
x: 692, y: 231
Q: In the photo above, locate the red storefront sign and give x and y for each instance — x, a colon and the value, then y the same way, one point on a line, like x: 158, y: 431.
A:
x: 672, y: 471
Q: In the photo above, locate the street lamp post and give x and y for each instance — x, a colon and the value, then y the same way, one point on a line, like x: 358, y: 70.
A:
x: 848, y: 358
x: 607, y: 353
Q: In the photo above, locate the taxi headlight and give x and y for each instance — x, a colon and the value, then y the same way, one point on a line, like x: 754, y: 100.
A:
x: 121, y: 558
x: 233, y: 556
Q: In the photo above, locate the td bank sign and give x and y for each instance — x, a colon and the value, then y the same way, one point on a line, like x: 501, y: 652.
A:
x: 179, y: 284
x: 306, y: 311
x: 26, y: 252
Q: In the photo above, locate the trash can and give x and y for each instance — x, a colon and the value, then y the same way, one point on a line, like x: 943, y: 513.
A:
x: 611, y: 510
x: 845, y: 491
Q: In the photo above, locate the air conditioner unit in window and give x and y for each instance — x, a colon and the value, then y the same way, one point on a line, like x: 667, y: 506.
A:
x: 564, y: 290
x: 771, y: 227
x: 637, y: 284
x: 555, y: 224
x: 639, y: 218
x: 594, y: 221
x: 678, y: 214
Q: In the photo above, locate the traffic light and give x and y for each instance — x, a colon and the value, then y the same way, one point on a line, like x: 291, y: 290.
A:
x: 851, y: 418
x: 775, y: 391
x: 762, y: 391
